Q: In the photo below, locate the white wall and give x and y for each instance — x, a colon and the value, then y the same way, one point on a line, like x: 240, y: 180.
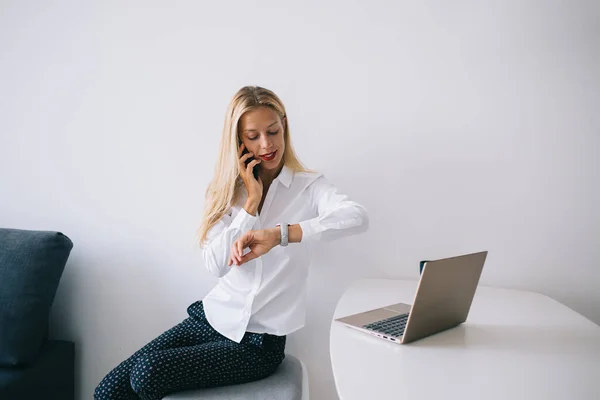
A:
x: 460, y: 126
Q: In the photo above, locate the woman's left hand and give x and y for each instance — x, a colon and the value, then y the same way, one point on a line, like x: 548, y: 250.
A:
x: 259, y: 241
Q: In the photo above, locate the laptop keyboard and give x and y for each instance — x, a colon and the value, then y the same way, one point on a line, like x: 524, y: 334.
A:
x: 393, y: 326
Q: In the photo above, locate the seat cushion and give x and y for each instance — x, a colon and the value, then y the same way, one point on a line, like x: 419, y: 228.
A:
x: 284, y: 384
x: 31, y: 265
x: 51, y: 376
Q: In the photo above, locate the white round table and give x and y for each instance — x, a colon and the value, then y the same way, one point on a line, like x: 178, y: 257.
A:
x: 514, y: 345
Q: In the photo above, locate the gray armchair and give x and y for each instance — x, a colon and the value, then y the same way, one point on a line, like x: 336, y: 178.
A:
x: 32, y: 366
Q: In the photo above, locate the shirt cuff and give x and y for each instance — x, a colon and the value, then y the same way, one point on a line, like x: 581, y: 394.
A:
x: 311, y: 230
x: 244, y: 221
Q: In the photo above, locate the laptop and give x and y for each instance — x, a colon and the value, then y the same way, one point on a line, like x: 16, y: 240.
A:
x: 442, y: 301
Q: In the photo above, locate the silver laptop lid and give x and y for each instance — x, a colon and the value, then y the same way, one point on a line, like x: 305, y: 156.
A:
x: 444, y: 295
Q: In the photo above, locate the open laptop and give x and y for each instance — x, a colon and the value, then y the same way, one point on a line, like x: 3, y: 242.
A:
x: 442, y: 301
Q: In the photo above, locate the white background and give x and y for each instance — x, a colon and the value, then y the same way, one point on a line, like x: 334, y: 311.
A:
x: 460, y: 126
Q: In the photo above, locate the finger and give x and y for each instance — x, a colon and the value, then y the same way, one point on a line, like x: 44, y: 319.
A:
x: 229, y: 262
x: 248, y: 257
x: 246, y: 156
x: 242, y: 163
x: 239, y: 252
x: 254, y: 162
x: 251, y: 165
x: 240, y: 244
x: 234, y: 256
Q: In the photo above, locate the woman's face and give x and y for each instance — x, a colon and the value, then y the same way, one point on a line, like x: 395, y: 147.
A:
x: 261, y: 131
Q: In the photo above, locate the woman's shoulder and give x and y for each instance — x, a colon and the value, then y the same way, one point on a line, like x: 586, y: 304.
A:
x: 307, y: 174
x: 311, y: 181
x: 305, y: 178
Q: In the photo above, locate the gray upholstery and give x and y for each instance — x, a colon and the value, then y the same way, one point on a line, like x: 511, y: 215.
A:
x: 283, y: 384
x: 51, y: 376
x: 31, y: 365
x: 31, y: 265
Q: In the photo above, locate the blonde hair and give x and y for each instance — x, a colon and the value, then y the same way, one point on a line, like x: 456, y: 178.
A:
x: 226, y: 185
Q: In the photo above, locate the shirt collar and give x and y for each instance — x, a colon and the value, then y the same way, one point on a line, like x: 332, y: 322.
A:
x: 285, y: 176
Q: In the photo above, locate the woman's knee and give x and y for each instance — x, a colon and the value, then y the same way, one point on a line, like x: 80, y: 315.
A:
x: 145, y: 375
x: 115, y: 385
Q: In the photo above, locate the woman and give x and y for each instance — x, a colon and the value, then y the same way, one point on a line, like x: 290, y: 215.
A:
x: 260, y: 199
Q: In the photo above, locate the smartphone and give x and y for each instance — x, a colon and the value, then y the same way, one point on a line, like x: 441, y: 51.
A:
x: 248, y: 161
x: 422, y: 265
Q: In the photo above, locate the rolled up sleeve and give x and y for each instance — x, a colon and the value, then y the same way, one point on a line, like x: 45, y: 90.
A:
x: 220, y: 238
x: 338, y: 215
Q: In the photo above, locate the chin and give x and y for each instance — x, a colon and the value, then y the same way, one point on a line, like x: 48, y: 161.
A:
x: 272, y: 165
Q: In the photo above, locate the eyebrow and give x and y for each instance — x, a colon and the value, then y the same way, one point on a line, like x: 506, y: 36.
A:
x: 254, y: 130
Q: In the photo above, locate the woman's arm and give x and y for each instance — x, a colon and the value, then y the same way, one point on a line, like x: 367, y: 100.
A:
x: 220, y: 238
x: 337, y: 215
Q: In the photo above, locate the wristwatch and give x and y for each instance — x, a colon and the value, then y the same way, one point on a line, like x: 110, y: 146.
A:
x: 284, y: 234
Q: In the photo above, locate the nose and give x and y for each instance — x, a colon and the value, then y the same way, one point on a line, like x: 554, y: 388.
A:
x: 265, y: 143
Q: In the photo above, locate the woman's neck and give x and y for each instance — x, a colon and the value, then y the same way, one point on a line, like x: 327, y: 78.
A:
x: 267, y: 177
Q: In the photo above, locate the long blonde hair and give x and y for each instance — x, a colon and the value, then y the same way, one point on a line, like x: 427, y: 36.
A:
x: 226, y: 185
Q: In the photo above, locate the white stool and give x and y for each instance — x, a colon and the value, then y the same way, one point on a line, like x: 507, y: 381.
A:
x: 288, y: 382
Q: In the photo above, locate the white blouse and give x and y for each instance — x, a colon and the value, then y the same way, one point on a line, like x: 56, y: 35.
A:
x: 268, y: 294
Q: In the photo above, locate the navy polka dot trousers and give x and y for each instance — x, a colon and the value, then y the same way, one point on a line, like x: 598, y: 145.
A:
x: 192, y: 355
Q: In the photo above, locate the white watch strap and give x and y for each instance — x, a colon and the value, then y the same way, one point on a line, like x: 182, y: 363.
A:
x: 284, y: 234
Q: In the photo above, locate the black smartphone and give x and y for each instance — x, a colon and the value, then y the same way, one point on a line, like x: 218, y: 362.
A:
x: 248, y: 161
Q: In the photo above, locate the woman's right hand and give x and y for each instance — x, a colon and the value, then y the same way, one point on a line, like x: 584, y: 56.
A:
x: 253, y: 186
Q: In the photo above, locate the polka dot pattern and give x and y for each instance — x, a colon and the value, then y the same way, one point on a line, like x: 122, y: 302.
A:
x: 192, y: 355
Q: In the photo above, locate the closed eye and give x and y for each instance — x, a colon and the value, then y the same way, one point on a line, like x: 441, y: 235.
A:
x: 270, y: 133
